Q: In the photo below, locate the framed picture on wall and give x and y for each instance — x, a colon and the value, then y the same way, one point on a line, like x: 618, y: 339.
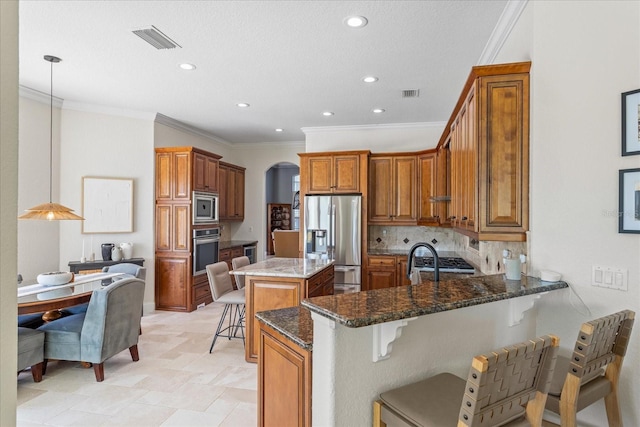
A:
x: 629, y: 201
x: 631, y: 123
x: 107, y: 205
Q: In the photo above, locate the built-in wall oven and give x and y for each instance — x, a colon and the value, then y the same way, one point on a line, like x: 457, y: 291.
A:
x: 206, y: 242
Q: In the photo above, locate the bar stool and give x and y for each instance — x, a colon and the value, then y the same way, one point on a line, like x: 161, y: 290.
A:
x: 507, y: 387
x: 237, y: 263
x: 234, y: 302
x: 582, y: 380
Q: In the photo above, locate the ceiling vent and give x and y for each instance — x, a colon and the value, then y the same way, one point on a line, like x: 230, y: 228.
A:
x: 411, y: 93
x: 156, y: 38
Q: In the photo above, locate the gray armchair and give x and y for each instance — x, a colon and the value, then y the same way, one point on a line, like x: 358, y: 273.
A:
x: 110, y: 325
x: 127, y: 268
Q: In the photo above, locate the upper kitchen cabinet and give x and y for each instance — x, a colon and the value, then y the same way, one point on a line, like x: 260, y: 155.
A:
x: 231, y: 192
x: 205, y: 172
x: 179, y: 170
x: 428, y: 206
x: 488, y: 139
x: 336, y: 172
x: 393, y: 181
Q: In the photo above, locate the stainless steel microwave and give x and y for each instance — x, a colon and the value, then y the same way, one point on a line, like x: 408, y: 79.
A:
x: 205, y: 207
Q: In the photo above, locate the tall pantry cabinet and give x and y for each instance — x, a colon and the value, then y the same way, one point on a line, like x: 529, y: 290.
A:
x: 179, y: 171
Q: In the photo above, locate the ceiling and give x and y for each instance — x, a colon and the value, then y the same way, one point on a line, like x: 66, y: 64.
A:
x: 290, y: 60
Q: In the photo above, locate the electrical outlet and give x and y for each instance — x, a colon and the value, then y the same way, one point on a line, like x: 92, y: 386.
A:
x: 610, y: 277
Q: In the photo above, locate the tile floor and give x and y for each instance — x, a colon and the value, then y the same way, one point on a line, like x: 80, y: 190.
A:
x: 175, y: 383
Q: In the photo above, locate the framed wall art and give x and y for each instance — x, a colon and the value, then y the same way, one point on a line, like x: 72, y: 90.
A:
x: 107, y: 205
x: 631, y: 123
x: 629, y: 201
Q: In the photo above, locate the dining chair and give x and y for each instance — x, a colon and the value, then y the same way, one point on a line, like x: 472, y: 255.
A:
x: 593, y: 370
x: 286, y: 243
x: 31, y: 351
x: 110, y: 325
x: 506, y: 387
x: 234, y: 302
x: 236, y: 263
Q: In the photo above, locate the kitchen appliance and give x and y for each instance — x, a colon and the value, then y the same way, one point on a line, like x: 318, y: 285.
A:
x: 333, y: 227
x: 447, y: 264
x: 206, y: 244
x: 205, y: 207
x: 251, y: 252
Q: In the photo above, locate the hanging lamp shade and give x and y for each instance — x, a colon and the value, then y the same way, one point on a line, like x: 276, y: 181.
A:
x: 50, y: 211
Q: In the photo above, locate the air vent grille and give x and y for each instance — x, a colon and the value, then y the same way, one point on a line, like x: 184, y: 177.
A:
x: 156, y: 38
x: 411, y: 93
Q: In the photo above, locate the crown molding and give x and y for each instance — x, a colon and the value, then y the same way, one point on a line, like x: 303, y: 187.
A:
x: 421, y: 125
x: 178, y: 125
x: 501, y: 31
x: 109, y: 111
x: 36, y: 95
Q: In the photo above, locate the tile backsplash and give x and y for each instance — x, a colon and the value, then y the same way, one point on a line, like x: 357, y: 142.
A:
x: 487, y: 256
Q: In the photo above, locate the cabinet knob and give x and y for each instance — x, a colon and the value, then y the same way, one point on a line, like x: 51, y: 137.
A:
x: 452, y: 217
x: 464, y: 218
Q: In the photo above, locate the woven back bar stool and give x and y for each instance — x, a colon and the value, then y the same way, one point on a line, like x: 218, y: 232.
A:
x: 582, y: 379
x: 507, y: 387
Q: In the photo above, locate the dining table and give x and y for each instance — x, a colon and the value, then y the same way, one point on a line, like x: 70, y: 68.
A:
x: 37, y: 298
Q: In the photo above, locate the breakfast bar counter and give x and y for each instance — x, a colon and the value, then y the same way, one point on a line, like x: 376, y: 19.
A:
x: 430, y: 327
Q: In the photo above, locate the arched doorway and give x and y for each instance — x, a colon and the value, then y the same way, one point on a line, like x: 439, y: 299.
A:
x: 282, y: 181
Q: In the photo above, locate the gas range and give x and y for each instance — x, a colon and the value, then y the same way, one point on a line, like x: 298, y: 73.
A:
x: 446, y: 264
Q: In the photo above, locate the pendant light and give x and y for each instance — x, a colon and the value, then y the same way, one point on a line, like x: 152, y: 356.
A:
x: 50, y: 211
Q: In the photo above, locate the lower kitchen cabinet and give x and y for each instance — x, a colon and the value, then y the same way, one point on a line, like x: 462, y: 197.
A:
x: 386, y: 271
x: 284, y: 381
x: 272, y: 292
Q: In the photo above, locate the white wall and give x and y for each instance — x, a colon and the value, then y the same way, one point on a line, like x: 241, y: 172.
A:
x: 377, y: 139
x: 8, y: 207
x: 106, y: 145
x: 38, y: 241
x: 584, y: 55
x: 258, y: 158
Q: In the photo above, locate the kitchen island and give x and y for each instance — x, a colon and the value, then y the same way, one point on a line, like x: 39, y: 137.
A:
x: 279, y: 283
x: 431, y: 327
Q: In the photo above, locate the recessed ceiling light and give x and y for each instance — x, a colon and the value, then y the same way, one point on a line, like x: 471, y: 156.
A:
x: 187, y: 67
x: 356, y: 21
x: 378, y: 110
x: 369, y: 79
x: 327, y: 113
x: 242, y: 104
x: 279, y: 130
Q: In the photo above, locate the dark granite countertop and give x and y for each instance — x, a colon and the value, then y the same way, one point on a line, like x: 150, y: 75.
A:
x: 294, y: 323
x: 366, y: 308
x: 226, y: 244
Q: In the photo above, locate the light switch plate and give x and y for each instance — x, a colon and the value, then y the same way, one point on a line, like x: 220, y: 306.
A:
x: 610, y: 277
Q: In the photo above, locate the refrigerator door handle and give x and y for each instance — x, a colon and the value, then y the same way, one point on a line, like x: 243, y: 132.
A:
x: 345, y: 268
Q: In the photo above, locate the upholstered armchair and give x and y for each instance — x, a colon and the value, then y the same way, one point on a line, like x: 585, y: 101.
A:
x: 110, y: 325
x: 127, y: 268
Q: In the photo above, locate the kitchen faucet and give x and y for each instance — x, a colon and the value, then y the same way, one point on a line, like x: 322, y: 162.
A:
x: 436, y: 260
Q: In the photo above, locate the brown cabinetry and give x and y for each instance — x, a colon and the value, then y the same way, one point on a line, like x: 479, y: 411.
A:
x: 393, y: 189
x: 205, y: 173
x: 284, y: 381
x: 231, y: 192
x: 387, y: 271
x: 270, y: 293
x: 488, y: 138
x: 326, y: 173
x: 428, y: 213
x: 179, y: 170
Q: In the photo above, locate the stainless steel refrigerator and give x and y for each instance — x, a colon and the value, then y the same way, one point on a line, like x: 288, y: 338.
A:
x: 333, y: 229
